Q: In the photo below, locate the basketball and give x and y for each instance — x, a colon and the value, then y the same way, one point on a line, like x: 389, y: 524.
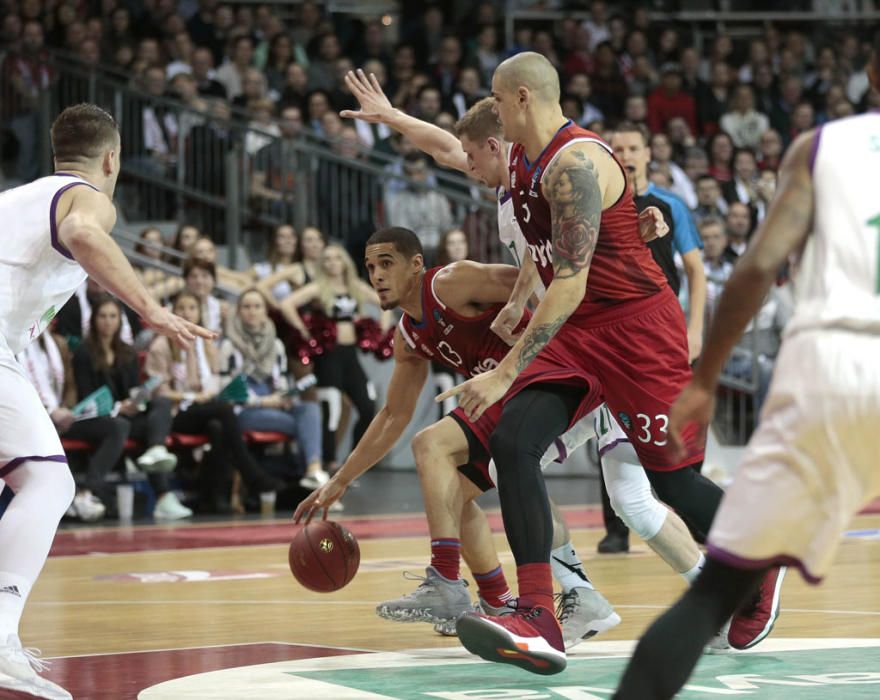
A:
x: 324, y: 556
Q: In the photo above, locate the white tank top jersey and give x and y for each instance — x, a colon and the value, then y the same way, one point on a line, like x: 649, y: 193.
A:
x: 37, y: 274
x: 837, y: 279
x: 509, y: 232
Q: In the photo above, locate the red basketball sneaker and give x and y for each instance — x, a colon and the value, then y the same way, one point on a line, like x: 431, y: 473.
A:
x: 754, y: 621
x: 529, y: 638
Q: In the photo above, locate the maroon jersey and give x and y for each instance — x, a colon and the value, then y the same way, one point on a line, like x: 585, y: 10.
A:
x: 465, y: 344
x: 622, y: 267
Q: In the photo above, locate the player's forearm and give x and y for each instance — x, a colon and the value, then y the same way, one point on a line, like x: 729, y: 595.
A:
x: 381, y: 435
x: 525, y: 284
x: 562, y: 298
x: 107, y: 264
x: 442, y: 146
x: 742, y: 298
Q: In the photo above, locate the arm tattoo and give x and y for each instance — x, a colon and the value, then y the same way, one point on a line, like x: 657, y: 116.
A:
x: 575, y: 200
x: 536, y: 339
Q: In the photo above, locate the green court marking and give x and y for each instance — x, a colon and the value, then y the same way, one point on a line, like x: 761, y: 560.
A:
x: 804, y: 675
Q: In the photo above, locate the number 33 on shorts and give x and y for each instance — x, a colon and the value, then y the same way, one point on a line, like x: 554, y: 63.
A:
x: 652, y: 430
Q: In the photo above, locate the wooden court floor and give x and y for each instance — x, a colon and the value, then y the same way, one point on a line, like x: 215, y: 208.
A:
x: 211, y: 611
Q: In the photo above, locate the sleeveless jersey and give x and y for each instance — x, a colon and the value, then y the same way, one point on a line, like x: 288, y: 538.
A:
x: 837, y: 279
x: 37, y: 274
x: 464, y: 344
x: 622, y: 267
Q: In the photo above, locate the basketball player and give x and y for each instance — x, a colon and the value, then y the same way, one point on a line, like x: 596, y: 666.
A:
x: 622, y: 338
x: 56, y: 231
x: 448, y: 314
x: 812, y: 462
x: 483, y: 153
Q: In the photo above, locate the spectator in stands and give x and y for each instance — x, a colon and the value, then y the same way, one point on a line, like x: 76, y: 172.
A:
x: 307, y: 23
x: 710, y: 202
x: 803, y: 118
x: 669, y: 101
x: 766, y: 189
x: 635, y: 109
x: 743, y: 123
x: 609, y: 86
x: 276, y: 166
x: 295, y: 92
x: 418, y: 207
x: 720, y: 148
x: 305, y: 267
x: 453, y: 247
x: 205, y: 250
x: 47, y: 364
x: 486, y: 55
x: 579, y: 58
x: 253, y: 88
x: 339, y: 295
x: 119, y: 32
x: 742, y: 186
x: 446, y: 70
x: 430, y: 103
x: 598, y: 24
x: 317, y: 105
x: 280, y: 259
x: 252, y: 348
x: 262, y: 129
x: 23, y: 74
x: 231, y: 73
x: 184, y: 238
x: 74, y: 319
x: 581, y: 86
x: 661, y: 156
x: 468, y: 91
x: 189, y: 379
x: 713, y: 98
x: 373, y: 46
x: 791, y: 91
x: 205, y: 75
x: 322, y: 66
x: 199, y: 277
x: 764, y: 87
x: 205, y: 156
x: 180, y: 50
x: 696, y: 163
x: 104, y: 359
x: 717, y: 266
x: 739, y: 229
x: 770, y: 150
x: 279, y: 58
x: 150, y: 247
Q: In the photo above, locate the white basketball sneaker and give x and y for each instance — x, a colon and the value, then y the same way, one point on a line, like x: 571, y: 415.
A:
x: 19, y: 668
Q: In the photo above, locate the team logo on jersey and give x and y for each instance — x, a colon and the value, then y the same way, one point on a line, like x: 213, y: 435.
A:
x: 484, y: 366
x: 625, y: 420
x: 442, y: 322
x: 535, y: 177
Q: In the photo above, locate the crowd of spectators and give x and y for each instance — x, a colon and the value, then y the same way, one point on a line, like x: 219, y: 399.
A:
x: 720, y: 113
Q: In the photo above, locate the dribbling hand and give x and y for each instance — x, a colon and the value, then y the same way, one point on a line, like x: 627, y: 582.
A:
x: 320, y: 499
x: 696, y: 404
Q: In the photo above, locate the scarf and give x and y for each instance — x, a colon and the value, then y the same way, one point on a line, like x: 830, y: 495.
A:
x: 257, y: 348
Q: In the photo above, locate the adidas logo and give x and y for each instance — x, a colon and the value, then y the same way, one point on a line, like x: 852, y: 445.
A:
x: 10, y: 589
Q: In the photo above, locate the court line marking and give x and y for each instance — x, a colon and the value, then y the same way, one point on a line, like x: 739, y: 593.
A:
x: 214, y: 646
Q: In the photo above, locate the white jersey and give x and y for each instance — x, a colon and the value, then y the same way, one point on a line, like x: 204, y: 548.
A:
x: 837, y: 279
x: 510, y: 233
x: 37, y: 274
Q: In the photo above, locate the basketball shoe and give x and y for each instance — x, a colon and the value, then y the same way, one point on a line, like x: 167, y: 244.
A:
x: 436, y: 600
x: 530, y: 638
x: 19, y: 668
x: 584, y: 613
x: 447, y: 629
x: 755, y: 620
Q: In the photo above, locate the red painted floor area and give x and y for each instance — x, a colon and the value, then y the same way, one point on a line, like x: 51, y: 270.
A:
x: 137, y: 539
x: 123, y: 676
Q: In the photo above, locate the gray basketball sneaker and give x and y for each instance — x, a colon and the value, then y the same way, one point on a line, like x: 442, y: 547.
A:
x: 436, y: 600
x: 447, y: 629
x: 584, y: 613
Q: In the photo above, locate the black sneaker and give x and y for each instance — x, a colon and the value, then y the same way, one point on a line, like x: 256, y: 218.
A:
x: 614, y: 543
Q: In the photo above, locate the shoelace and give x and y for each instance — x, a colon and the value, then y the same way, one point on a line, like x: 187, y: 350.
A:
x: 568, y: 602
x: 32, y: 657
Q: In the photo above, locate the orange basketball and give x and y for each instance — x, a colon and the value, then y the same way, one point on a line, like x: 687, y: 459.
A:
x: 324, y: 556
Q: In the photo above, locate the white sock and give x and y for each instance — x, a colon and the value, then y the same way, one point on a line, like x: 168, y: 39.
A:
x: 691, y: 574
x: 14, y: 591
x: 568, y: 569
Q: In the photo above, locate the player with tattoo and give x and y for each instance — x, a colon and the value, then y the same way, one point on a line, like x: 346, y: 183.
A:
x: 620, y: 338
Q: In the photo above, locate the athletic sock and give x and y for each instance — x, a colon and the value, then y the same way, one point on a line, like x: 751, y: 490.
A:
x: 691, y: 574
x: 445, y: 557
x: 535, y: 586
x: 14, y: 591
x: 568, y: 569
x: 493, y: 587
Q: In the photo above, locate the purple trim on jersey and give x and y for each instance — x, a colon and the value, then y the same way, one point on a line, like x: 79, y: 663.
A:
x: 507, y: 195
x: 738, y: 562
x: 611, y: 445
x: 18, y: 461
x: 814, y: 148
x: 53, y: 226
x: 560, y: 448
x: 544, y: 150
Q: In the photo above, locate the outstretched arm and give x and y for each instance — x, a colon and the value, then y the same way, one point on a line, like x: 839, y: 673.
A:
x: 85, y: 231
x: 410, y: 373
x: 786, y: 227
x: 442, y: 146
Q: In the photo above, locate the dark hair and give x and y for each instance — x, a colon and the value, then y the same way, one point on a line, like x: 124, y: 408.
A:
x: 180, y: 295
x: 122, y: 351
x: 143, y: 248
x: 274, y: 256
x: 405, y: 241
x: 706, y: 176
x: 298, y: 253
x: 83, y: 132
x: 442, y: 256
x: 179, y: 234
x: 191, y: 264
x: 633, y: 128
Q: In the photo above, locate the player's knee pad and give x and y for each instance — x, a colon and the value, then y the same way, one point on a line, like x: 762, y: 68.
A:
x: 48, y: 484
x: 632, y: 499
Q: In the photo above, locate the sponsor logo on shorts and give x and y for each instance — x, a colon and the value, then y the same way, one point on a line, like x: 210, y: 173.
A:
x: 625, y: 420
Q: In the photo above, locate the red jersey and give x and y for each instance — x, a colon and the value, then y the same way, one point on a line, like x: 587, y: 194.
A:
x: 465, y: 344
x: 622, y: 268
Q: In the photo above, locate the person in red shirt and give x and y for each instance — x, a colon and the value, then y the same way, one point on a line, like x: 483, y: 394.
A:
x: 669, y: 100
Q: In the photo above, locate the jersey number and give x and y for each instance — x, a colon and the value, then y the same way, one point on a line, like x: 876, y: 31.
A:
x: 650, y: 429
x: 875, y: 222
x: 527, y: 217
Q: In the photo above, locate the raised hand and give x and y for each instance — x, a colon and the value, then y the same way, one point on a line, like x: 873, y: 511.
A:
x: 375, y: 105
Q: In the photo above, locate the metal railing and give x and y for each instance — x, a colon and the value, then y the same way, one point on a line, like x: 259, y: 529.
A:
x: 236, y: 180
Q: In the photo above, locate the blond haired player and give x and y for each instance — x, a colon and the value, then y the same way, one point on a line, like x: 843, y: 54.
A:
x: 56, y: 231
